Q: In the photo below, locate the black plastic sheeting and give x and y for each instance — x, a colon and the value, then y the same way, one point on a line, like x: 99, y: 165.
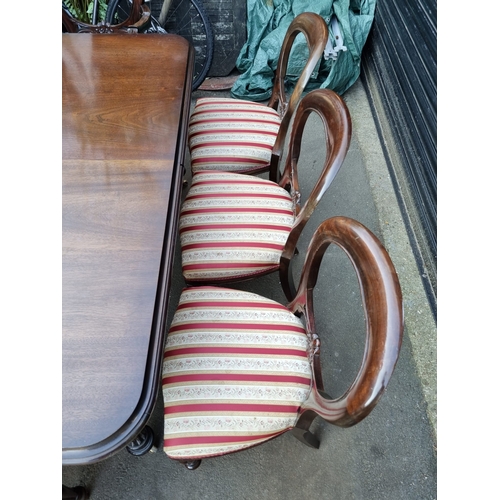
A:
x: 399, y: 72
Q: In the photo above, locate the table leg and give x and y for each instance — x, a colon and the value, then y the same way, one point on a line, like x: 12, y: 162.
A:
x: 76, y: 493
x: 143, y: 443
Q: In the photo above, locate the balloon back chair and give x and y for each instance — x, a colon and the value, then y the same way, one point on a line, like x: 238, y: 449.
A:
x: 240, y: 369
x: 237, y: 135
x: 139, y: 20
x: 235, y: 227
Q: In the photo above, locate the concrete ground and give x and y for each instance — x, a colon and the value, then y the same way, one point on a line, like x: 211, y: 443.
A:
x: 391, y: 455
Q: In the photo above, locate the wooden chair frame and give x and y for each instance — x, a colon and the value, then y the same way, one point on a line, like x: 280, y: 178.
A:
x: 315, y: 30
x: 336, y: 119
x: 139, y: 19
x: 383, y: 306
x: 338, y: 128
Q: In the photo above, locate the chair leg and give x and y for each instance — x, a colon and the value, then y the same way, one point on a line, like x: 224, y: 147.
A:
x: 301, y: 430
x: 306, y: 437
x: 190, y: 464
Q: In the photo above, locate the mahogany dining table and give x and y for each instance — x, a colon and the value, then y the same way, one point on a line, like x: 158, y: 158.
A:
x: 125, y: 108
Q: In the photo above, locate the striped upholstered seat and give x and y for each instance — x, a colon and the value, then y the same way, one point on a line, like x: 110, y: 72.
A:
x: 233, y: 226
x: 236, y: 135
x: 240, y: 369
x: 235, y: 373
x: 231, y: 135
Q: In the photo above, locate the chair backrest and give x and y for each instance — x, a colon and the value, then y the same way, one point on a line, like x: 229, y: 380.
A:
x: 337, y: 126
x: 315, y: 30
x: 138, y: 20
x: 382, y: 302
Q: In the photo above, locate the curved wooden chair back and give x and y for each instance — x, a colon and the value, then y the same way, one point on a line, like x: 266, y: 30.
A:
x: 315, y: 30
x: 382, y: 302
x: 139, y: 19
x: 337, y: 126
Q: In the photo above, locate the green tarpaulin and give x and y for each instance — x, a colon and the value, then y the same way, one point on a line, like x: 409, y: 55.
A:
x: 267, y: 22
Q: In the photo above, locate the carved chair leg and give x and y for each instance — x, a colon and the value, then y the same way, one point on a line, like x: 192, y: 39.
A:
x: 306, y: 437
x: 191, y: 464
x: 302, y: 433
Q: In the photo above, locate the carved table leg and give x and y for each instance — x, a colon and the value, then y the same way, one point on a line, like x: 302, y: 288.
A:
x: 77, y: 493
x: 142, y: 443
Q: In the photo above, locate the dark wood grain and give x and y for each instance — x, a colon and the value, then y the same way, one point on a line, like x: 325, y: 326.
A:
x: 315, y: 31
x: 125, y: 109
x: 336, y: 119
x: 383, y: 306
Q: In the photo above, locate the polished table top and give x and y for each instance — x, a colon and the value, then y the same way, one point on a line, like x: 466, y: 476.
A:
x: 125, y: 108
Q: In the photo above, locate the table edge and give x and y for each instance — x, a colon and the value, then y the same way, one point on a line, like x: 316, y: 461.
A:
x: 141, y: 414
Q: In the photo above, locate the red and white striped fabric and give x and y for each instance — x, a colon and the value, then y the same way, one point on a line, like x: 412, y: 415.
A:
x: 233, y: 226
x: 235, y: 372
x: 231, y: 135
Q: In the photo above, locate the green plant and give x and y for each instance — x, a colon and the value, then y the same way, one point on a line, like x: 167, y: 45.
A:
x: 82, y: 9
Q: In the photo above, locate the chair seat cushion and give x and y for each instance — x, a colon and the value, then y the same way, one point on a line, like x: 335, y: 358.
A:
x: 233, y: 226
x: 231, y: 135
x: 235, y: 372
